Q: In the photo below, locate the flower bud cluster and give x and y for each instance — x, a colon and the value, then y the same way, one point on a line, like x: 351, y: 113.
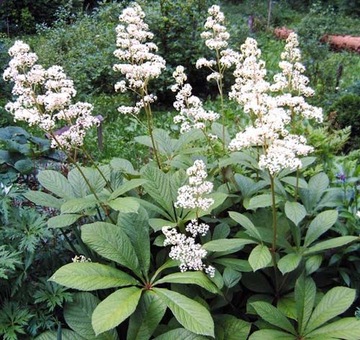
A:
x: 192, y: 114
x: 187, y: 251
x: 44, y: 98
x: 139, y: 63
x: 191, y: 196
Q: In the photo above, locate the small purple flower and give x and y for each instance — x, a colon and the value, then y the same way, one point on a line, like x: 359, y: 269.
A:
x: 341, y: 177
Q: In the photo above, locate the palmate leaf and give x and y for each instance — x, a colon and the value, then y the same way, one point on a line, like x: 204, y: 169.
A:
x: 196, y: 278
x: 116, y: 308
x: 78, y: 314
x: 90, y: 276
x: 190, y: 314
x: 146, y: 317
x: 111, y: 242
x: 272, y: 315
x: 336, y: 301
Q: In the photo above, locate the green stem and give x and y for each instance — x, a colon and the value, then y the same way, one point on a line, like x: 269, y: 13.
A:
x: 297, y: 184
x: 149, y: 117
x: 274, y: 228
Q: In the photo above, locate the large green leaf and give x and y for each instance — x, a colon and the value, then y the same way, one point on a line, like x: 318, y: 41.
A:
x: 260, y: 201
x: 136, y: 227
x: 180, y: 334
x: 295, y: 212
x: 146, y: 317
x: 127, y: 186
x: 247, y: 186
x: 319, y: 225
x: 158, y: 223
x: 231, y: 277
x: 116, y: 308
x: 235, y: 264
x: 190, y: 314
x: 78, y: 183
x: 289, y: 262
x: 158, y: 186
x: 316, y: 188
x: 272, y: 315
x: 246, y: 223
x: 125, y: 204
x: 313, y: 263
x: 63, y: 220
x: 56, y: 183
x: 78, y: 314
x: 196, y: 278
x: 295, y: 181
x: 271, y: 334
x: 232, y: 328
x: 111, y: 242
x: 123, y: 165
x: 345, y: 328
x: 305, y: 293
x: 227, y: 245
x: 91, y: 276
x: 95, y: 178
x: 336, y: 301
x: 76, y: 205
x: 329, y: 244
x: 43, y: 199
x: 260, y: 257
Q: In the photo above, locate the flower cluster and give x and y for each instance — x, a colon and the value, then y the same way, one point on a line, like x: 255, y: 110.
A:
x: 191, y: 196
x: 187, y: 251
x: 192, y: 114
x: 216, y: 37
x: 293, y: 80
x: 44, y: 97
x: 282, y: 154
x: 139, y: 63
x: 271, y: 115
